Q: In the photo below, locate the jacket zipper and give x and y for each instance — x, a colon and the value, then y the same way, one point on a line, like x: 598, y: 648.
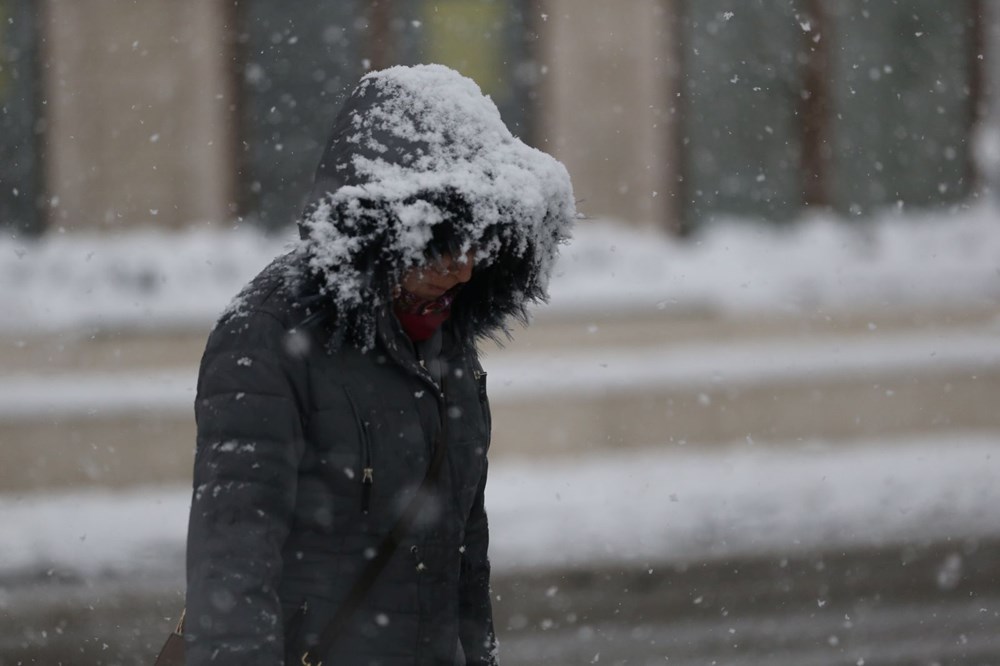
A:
x: 367, y: 480
x: 484, y: 403
x: 367, y: 469
x: 480, y: 377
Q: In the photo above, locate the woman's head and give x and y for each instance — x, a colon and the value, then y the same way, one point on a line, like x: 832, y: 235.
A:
x: 420, y: 169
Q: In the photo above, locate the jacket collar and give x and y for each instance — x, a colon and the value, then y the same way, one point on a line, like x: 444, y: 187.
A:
x: 401, y: 349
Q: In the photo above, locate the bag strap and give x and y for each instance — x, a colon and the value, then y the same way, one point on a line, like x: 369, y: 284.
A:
x: 375, y: 566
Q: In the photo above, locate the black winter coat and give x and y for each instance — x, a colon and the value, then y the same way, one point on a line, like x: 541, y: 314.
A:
x: 283, y: 517
x: 316, y: 414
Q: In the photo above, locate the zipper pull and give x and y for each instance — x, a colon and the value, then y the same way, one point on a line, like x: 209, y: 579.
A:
x: 367, y: 479
x: 480, y: 377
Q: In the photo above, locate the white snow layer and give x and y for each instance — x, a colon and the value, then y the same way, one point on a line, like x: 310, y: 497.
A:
x: 152, y: 278
x: 646, y: 509
x: 447, y: 138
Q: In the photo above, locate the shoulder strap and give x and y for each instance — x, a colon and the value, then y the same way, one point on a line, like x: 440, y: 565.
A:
x: 375, y: 566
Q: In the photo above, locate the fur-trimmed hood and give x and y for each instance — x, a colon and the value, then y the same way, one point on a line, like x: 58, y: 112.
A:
x: 419, y: 163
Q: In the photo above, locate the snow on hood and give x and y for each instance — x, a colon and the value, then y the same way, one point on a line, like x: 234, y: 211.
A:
x: 420, y: 163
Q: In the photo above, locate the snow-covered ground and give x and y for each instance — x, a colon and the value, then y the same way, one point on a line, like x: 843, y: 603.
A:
x: 650, y: 508
x: 647, y: 508
x: 152, y: 278
x: 691, y: 505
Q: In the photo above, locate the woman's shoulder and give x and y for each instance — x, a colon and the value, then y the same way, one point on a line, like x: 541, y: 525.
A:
x: 273, y: 305
x: 283, y: 291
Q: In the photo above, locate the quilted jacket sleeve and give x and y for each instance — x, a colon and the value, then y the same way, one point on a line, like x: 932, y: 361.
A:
x: 250, y: 442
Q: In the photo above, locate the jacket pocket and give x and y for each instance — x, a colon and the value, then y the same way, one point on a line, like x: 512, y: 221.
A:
x: 367, y: 470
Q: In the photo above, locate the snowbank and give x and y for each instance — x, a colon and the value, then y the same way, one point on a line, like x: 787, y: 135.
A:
x: 820, y: 263
x: 650, y: 508
x: 159, y: 279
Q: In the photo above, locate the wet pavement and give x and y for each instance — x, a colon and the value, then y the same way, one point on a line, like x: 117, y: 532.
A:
x: 927, y: 604
x: 914, y: 604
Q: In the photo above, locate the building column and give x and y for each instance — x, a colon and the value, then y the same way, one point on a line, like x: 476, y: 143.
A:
x: 139, y: 109
x: 606, y: 98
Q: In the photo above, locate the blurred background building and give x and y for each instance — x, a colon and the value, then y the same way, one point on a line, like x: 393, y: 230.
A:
x: 766, y: 386
x: 668, y: 113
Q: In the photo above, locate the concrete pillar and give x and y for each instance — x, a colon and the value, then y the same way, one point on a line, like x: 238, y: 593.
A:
x: 607, y: 104
x: 140, y: 112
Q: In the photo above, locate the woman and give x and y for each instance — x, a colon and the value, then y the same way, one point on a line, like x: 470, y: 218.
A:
x: 342, y: 415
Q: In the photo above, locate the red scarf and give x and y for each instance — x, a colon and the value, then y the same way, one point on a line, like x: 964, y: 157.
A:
x: 420, y: 319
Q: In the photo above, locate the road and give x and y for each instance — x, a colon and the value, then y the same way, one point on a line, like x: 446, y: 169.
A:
x: 927, y: 604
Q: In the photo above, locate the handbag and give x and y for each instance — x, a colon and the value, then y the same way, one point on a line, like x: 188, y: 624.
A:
x: 172, y: 652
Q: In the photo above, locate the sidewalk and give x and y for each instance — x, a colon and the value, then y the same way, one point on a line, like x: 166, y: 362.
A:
x: 117, y: 411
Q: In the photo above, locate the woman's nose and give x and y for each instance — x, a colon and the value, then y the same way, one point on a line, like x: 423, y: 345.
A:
x: 462, y: 270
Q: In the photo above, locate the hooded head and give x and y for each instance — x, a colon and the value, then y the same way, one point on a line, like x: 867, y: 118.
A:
x: 420, y: 164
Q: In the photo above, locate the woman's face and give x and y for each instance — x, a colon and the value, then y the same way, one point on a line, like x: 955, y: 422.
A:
x: 430, y: 281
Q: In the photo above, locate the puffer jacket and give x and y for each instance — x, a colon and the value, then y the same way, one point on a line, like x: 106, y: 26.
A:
x: 317, y: 416
x: 284, y: 516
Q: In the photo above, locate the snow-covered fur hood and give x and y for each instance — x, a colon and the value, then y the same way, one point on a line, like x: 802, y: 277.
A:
x: 419, y: 163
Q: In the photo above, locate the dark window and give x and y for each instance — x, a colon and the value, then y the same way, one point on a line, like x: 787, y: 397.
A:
x: 20, y: 169
x: 902, y: 77
x: 740, y: 141
x: 298, y: 61
x: 853, y: 104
